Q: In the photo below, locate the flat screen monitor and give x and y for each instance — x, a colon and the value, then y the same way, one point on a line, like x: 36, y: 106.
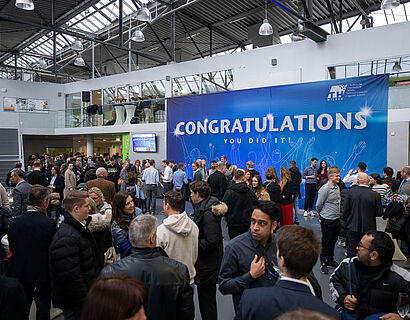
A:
x: 144, y: 143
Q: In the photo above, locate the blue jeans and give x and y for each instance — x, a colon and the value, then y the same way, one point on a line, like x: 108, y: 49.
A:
x: 295, y: 201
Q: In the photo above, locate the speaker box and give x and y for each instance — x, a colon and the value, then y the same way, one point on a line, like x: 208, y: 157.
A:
x: 86, y: 97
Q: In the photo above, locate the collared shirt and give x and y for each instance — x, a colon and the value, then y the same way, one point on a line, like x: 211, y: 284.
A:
x: 179, y: 178
x: 167, y: 174
x: 150, y: 176
x: 328, y: 201
x: 235, y: 276
x: 352, y: 179
x: 53, y: 179
x: 307, y: 283
x: 309, y: 171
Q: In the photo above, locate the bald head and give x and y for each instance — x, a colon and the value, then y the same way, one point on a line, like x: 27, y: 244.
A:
x: 101, y: 172
x: 362, y: 178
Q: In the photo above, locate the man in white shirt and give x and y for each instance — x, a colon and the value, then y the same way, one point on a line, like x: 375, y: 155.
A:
x: 351, y: 176
x: 178, y: 234
x: 167, y: 176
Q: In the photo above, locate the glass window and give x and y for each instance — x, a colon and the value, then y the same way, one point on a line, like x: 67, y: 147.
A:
x: 122, y: 93
x: 153, y: 89
x: 96, y: 97
x: 217, y: 81
x: 352, y: 70
x: 108, y: 95
x: 186, y: 85
x: 73, y: 110
x: 135, y: 92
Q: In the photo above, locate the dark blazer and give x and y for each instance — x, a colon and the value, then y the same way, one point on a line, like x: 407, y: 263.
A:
x: 361, y: 206
x: 37, y: 177
x: 12, y: 299
x: 20, y: 198
x: 218, y: 183
x: 59, y: 184
x: 267, y: 303
x: 286, y: 193
x: 30, y: 236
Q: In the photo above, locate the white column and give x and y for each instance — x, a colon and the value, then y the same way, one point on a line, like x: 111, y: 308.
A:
x: 90, y: 145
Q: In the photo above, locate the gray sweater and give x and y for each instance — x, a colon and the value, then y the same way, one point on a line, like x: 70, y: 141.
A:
x: 328, y: 201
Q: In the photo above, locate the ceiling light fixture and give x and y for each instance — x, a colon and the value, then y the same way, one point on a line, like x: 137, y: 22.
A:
x: 77, y: 45
x: 138, y: 36
x: 266, y: 29
x: 397, y: 66
x: 389, y: 4
x: 79, y: 61
x: 25, y: 4
x: 143, y: 13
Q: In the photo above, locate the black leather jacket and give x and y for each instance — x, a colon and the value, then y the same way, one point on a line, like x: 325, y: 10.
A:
x: 169, y: 294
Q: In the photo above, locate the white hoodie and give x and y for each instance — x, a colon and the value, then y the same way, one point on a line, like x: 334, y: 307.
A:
x: 178, y: 236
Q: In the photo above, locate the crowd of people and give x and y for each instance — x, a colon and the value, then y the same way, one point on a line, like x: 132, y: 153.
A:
x: 82, y: 233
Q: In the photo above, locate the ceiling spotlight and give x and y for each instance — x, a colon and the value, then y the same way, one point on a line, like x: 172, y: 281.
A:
x: 266, y: 29
x: 79, y: 61
x: 77, y: 45
x: 43, y: 63
x: 138, y: 36
x: 143, y: 13
x: 25, y: 4
x: 397, y: 66
x: 389, y: 4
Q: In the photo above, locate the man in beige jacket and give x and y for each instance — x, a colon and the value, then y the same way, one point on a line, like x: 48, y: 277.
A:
x: 178, y: 235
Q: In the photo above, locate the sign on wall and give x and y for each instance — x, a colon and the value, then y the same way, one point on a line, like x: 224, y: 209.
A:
x: 341, y: 121
x: 25, y: 105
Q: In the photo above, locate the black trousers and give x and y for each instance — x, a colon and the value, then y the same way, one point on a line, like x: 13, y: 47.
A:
x: 151, y: 197
x: 330, y: 233
x: 353, y: 239
x: 41, y: 292
x: 167, y: 187
x: 310, y: 194
x: 207, y: 302
x: 235, y: 231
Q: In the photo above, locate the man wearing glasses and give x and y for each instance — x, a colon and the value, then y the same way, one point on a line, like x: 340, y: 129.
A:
x: 374, y: 280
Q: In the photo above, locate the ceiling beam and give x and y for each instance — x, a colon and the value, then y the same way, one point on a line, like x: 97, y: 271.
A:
x: 77, y: 35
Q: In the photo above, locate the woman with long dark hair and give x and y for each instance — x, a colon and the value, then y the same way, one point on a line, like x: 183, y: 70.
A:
x: 115, y: 297
x: 286, y: 197
x: 376, y: 184
x: 248, y: 178
x: 123, y: 212
x: 321, y: 172
x: 57, y: 182
x: 259, y: 189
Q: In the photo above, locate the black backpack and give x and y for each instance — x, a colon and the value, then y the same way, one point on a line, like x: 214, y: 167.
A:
x: 5, y: 216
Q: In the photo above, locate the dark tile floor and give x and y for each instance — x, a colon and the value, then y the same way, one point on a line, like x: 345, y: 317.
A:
x: 225, y: 307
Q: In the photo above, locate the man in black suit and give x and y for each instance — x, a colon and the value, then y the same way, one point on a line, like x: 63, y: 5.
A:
x: 30, y: 236
x: 37, y: 176
x: 217, y: 181
x: 297, y: 252
x: 20, y: 192
x: 249, y: 166
x: 361, y: 206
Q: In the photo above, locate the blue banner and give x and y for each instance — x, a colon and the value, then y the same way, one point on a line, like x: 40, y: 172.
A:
x: 341, y: 121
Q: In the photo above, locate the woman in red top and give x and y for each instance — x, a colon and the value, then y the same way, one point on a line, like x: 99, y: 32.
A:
x: 286, y: 197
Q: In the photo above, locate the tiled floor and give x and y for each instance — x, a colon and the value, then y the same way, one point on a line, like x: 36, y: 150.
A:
x: 225, y: 307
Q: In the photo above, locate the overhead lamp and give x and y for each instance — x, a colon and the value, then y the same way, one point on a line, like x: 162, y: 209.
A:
x: 42, y: 63
x: 266, y: 28
x: 143, y: 13
x: 77, y: 45
x: 389, y: 4
x: 79, y: 61
x: 138, y: 36
x: 25, y: 4
x: 397, y: 66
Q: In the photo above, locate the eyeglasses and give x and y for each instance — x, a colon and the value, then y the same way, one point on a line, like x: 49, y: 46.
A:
x: 360, y: 245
